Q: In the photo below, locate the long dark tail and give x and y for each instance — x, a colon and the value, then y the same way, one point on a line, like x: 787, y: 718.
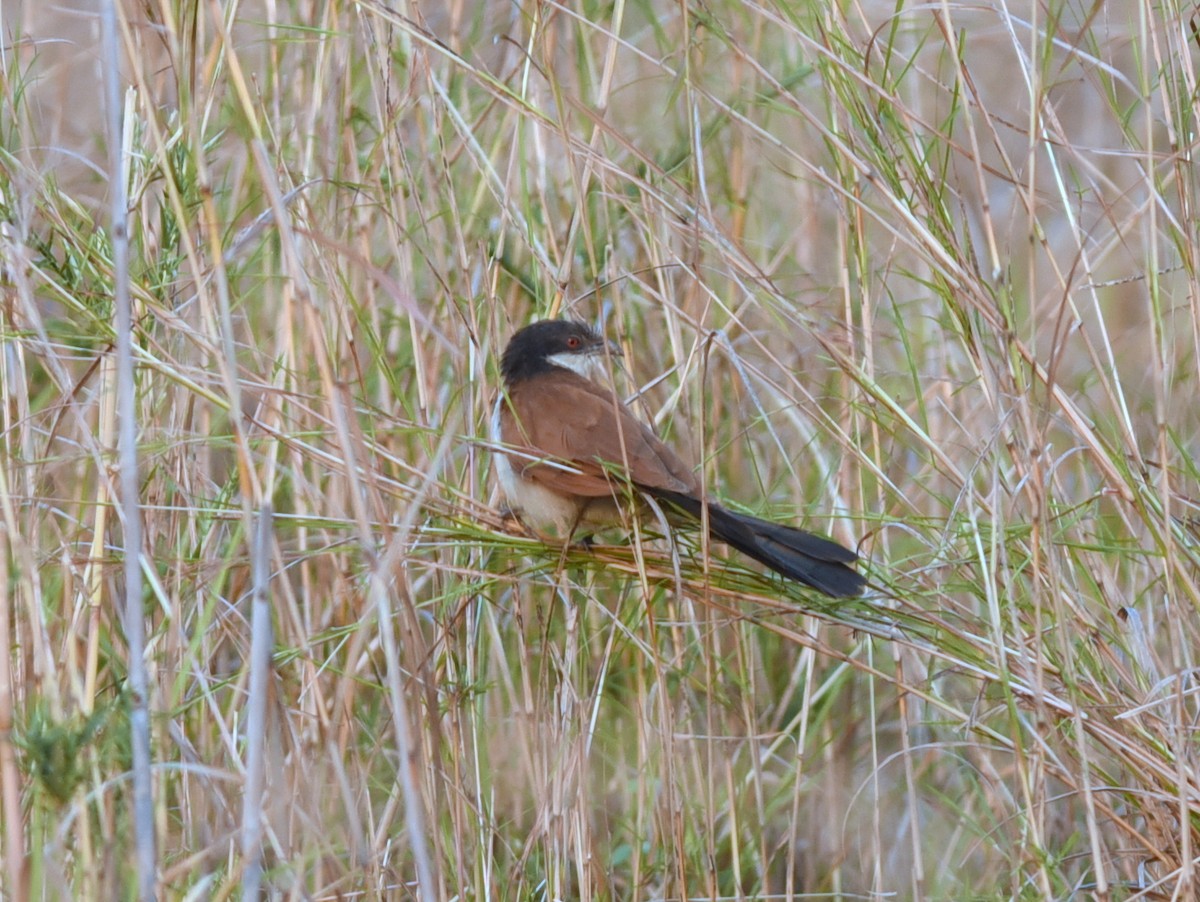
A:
x: 820, y: 563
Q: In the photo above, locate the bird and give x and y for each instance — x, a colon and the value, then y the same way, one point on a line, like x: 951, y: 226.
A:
x: 568, y: 451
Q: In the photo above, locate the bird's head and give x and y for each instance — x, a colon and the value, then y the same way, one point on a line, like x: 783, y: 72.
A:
x: 556, y: 343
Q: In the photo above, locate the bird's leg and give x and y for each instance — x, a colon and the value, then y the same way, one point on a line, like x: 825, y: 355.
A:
x: 586, y: 541
x: 569, y: 542
x: 512, y: 521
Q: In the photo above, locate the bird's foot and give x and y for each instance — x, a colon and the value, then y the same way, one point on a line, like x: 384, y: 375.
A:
x: 511, y: 522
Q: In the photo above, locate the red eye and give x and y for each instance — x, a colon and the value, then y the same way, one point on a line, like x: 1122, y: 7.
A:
x: 572, y: 342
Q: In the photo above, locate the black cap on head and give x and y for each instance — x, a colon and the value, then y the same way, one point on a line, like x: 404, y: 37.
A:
x: 529, y: 349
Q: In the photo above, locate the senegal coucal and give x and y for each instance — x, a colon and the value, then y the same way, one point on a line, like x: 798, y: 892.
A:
x: 571, y: 450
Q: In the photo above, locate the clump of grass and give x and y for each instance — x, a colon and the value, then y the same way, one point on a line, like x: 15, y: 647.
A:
x: 922, y: 279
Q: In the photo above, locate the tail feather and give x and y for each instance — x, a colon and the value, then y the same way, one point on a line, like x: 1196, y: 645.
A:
x: 802, y: 556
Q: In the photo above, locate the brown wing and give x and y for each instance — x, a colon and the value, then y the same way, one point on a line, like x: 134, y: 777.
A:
x: 557, y: 415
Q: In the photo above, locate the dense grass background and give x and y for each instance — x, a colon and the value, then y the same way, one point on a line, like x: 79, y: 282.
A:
x: 923, y: 278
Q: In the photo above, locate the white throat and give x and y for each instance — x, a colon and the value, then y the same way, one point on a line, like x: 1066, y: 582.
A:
x: 589, y: 366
